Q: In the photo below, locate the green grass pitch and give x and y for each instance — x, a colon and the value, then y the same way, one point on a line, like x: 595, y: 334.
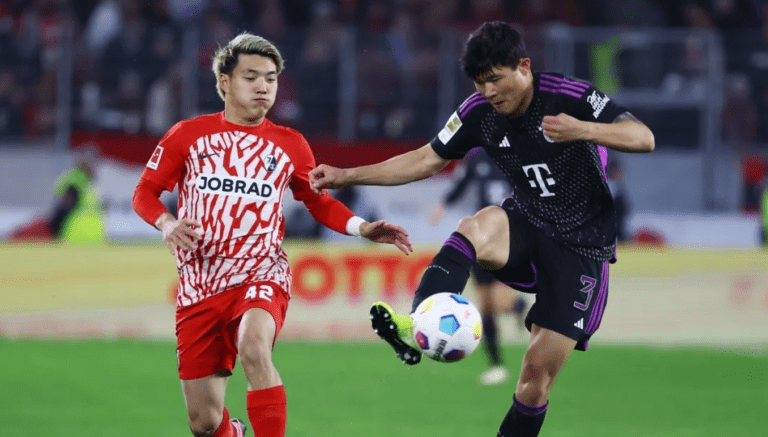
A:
x: 130, y: 388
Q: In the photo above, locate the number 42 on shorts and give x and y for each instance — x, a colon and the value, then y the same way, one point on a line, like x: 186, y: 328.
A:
x: 261, y: 291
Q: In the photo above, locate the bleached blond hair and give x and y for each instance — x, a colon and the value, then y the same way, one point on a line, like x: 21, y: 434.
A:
x: 225, y: 59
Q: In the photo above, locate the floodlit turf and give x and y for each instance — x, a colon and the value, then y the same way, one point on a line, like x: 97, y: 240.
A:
x: 129, y: 388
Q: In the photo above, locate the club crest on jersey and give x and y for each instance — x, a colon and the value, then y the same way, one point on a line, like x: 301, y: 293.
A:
x: 598, y: 103
x: 227, y: 185
x: 271, y: 163
x: 546, y: 137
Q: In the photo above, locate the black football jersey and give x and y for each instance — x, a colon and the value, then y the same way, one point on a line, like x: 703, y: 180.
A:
x: 478, y: 170
x: 560, y: 187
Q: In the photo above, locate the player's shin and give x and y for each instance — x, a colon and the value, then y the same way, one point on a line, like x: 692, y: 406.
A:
x: 449, y: 270
x: 267, y: 411
x: 523, y: 420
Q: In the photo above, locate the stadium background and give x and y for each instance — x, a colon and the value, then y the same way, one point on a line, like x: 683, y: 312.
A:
x: 86, y: 332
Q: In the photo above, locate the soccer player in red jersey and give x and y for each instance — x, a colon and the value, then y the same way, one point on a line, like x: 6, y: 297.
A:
x: 232, y: 169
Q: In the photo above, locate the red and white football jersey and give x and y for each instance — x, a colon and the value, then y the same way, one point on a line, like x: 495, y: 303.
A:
x: 232, y: 180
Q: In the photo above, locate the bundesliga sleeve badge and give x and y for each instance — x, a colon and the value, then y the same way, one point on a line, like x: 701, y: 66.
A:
x: 450, y: 129
x: 154, y: 161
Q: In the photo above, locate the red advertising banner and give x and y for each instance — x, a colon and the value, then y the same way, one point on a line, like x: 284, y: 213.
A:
x: 355, y: 274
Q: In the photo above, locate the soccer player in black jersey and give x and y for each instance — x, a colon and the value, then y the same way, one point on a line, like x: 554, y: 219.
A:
x: 555, y: 235
x: 494, y: 298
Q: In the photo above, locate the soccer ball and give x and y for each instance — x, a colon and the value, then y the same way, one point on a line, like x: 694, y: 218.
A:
x: 447, y: 327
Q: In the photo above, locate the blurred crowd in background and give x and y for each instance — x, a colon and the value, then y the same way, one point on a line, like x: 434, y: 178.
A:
x: 132, y: 60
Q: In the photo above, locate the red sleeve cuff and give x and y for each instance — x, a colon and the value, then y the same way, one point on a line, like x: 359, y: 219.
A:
x: 330, y: 212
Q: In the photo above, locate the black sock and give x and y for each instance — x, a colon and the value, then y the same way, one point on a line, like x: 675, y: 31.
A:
x: 491, y: 340
x: 523, y: 420
x: 449, y: 270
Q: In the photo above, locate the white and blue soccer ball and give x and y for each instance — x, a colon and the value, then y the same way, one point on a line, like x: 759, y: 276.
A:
x: 447, y: 327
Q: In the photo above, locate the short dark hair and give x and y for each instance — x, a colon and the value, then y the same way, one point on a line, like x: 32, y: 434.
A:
x: 494, y: 44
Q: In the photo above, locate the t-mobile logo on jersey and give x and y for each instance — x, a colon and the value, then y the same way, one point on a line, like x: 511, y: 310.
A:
x: 539, y: 180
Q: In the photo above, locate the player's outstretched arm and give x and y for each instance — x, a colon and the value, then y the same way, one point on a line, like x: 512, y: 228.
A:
x: 383, y: 232
x: 404, y: 168
x: 625, y: 134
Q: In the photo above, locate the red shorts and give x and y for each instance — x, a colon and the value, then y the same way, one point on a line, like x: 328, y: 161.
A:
x: 206, y: 332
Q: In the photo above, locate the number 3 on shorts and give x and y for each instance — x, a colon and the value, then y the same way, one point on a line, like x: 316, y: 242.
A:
x: 262, y: 291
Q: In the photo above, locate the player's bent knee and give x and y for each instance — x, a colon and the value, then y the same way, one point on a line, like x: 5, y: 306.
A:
x: 488, y: 231
x: 471, y: 227
x: 532, y: 393
x: 468, y: 228
x: 254, y: 351
x: 257, y: 335
x: 537, y: 375
x: 205, y: 432
x: 203, y: 424
x: 255, y: 354
x: 535, y: 383
x: 541, y: 365
x: 482, y: 225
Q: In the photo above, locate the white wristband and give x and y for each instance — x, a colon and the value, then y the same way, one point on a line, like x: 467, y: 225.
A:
x: 353, y: 226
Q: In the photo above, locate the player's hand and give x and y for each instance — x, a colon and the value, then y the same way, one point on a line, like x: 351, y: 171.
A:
x: 436, y: 214
x: 562, y: 128
x: 325, y: 176
x: 180, y: 234
x: 382, y: 232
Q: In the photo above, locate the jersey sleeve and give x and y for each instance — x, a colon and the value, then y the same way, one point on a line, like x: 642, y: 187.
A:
x: 324, y: 208
x: 593, y: 105
x: 464, y: 175
x: 146, y: 201
x: 457, y: 137
x: 166, y: 166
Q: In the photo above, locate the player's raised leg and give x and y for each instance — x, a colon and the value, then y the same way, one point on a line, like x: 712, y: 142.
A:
x: 484, y: 238
x: 265, y: 399
x: 547, y: 353
x: 205, y: 407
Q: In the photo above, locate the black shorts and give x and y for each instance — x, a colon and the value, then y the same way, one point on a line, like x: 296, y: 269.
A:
x: 571, y: 289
